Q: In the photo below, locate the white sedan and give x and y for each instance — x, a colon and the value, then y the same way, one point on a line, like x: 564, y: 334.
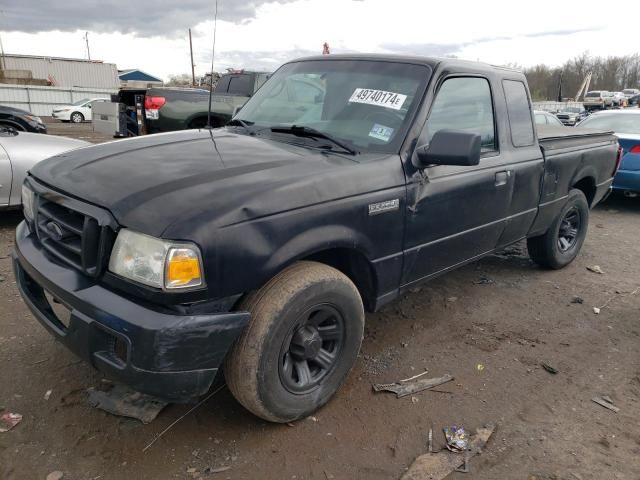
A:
x: 76, y: 112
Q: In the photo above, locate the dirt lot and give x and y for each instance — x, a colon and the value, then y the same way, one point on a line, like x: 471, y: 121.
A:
x: 490, y: 325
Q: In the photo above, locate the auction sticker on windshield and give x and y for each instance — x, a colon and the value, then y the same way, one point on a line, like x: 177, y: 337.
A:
x: 378, y: 97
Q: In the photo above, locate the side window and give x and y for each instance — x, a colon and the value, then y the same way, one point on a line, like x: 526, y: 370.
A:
x: 223, y: 84
x: 241, y: 85
x: 519, y: 111
x: 464, y: 103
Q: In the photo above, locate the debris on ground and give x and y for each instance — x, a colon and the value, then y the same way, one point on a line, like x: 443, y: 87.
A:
x: 411, y: 386
x: 595, y: 269
x: 457, y: 438
x: 8, y: 421
x: 484, y: 281
x: 619, y: 294
x: 605, y: 403
x: 549, y: 368
x: 480, y: 367
x: 210, y: 471
x: 576, y: 299
x: 57, y: 475
x: 47, y: 394
x: 436, y: 466
x: 121, y: 400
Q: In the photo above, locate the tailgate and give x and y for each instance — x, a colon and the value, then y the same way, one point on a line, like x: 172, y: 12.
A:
x: 106, y: 118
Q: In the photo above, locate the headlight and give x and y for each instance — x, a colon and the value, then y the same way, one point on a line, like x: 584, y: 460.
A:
x: 155, y: 262
x: 27, y: 202
x: 33, y: 118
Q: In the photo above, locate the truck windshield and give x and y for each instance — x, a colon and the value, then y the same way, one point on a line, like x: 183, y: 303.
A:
x: 367, y: 105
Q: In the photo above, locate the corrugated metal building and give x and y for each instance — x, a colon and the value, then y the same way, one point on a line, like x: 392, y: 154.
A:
x: 68, y: 80
x: 66, y: 72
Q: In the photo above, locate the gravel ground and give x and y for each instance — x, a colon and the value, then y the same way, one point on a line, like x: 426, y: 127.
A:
x: 490, y: 325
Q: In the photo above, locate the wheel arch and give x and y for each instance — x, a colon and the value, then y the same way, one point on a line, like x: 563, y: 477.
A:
x: 337, y: 246
x: 587, y: 185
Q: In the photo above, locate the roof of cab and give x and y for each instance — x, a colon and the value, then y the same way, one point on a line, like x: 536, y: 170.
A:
x: 432, y: 62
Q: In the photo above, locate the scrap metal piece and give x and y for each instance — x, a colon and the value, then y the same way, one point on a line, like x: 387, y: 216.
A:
x: 457, y: 438
x: 602, y: 402
x: 407, y: 388
x: 437, y: 466
x: 8, y: 421
x: 121, y: 400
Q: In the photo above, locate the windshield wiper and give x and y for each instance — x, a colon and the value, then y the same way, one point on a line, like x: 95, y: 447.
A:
x: 310, y: 132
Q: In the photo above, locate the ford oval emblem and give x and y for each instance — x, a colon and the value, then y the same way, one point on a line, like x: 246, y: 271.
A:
x: 55, y: 231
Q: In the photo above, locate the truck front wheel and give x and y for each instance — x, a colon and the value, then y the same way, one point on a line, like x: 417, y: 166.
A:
x: 563, y: 241
x: 303, y: 338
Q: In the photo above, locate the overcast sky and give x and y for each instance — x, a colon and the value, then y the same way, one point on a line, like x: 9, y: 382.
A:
x: 152, y: 34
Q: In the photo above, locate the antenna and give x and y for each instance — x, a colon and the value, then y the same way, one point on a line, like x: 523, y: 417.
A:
x: 213, y: 56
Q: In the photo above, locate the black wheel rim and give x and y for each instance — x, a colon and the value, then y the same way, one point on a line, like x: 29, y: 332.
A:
x: 312, y: 349
x: 569, y: 230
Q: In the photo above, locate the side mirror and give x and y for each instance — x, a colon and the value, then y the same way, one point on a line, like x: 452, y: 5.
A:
x: 449, y: 147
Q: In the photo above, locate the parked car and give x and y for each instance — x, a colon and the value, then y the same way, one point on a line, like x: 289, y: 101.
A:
x: 20, y: 151
x: 569, y: 116
x: 619, y: 99
x: 546, y: 118
x: 626, y: 125
x: 634, y: 101
x: 260, y: 244
x: 21, y: 120
x: 77, y: 112
x: 630, y: 92
x: 598, y: 99
x: 166, y: 109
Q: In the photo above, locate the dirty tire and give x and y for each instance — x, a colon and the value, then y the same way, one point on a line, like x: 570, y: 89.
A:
x: 546, y: 250
x: 290, y: 303
x: 76, y: 117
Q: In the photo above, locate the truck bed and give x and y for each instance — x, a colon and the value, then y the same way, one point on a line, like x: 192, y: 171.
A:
x: 552, y: 138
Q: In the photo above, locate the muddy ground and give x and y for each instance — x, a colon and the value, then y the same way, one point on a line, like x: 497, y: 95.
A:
x: 490, y: 325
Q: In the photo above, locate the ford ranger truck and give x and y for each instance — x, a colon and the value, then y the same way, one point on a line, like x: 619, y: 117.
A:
x: 255, y: 249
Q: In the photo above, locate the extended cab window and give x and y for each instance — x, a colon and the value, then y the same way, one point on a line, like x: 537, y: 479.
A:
x: 519, y: 112
x: 464, y: 103
x: 241, y: 85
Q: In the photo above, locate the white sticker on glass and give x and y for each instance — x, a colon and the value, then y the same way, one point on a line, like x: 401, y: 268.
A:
x: 378, y: 97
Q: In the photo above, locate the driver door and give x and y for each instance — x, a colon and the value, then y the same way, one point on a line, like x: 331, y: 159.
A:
x: 457, y: 213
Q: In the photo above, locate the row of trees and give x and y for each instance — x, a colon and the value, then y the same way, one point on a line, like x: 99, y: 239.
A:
x: 610, y: 73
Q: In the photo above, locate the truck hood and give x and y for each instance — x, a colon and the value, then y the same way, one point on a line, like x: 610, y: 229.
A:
x: 171, y: 184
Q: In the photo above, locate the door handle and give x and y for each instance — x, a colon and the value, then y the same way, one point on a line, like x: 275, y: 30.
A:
x: 502, y: 178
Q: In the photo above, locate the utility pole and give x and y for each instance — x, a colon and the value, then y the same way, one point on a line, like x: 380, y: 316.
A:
x: 193, y: 71
x: 3, y: 65
x: 86, y: 39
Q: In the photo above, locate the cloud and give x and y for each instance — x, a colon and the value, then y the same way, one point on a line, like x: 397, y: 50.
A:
x: 449, y: 49
x: 146, y: 18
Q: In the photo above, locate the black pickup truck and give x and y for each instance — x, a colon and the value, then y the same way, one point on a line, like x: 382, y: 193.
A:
x: 260, y: 245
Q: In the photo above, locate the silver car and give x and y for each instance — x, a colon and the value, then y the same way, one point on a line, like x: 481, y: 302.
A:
x: 19, y: 151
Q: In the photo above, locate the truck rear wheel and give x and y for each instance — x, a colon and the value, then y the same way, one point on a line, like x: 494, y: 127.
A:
x: 303, y: 338
x: 560, y: 245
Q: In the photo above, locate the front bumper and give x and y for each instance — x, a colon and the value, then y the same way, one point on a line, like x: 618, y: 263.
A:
x: 174, y: 357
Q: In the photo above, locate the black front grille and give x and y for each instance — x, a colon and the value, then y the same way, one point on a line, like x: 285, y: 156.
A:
x: 78, y: 234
